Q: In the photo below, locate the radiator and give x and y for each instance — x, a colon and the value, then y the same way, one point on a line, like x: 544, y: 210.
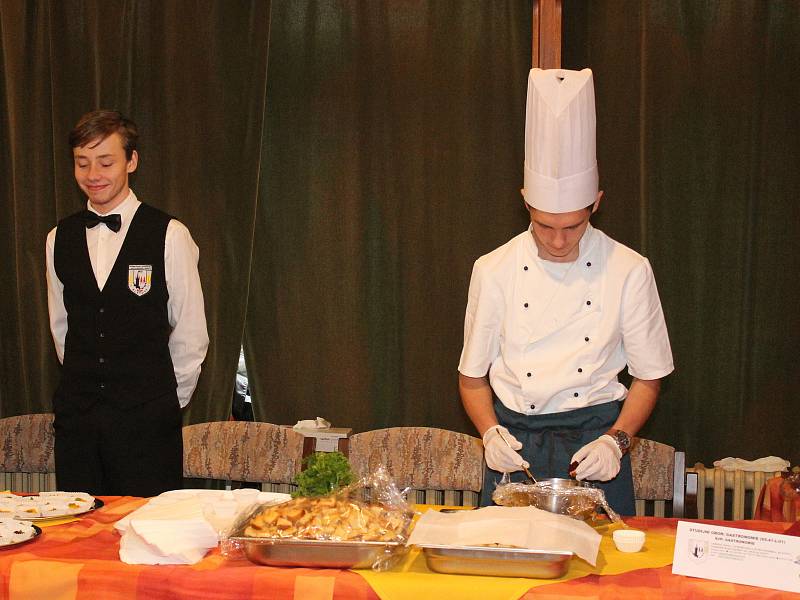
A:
x: 731, y: 486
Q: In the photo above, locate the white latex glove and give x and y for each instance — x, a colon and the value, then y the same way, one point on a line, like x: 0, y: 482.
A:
x: 499, y: 456
x: 598, y: 460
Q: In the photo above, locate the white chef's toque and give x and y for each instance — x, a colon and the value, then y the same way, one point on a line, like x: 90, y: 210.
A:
x: 560, y: 154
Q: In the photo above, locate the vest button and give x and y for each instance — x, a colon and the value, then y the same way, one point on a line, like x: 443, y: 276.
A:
x: 102, y: 386
x: 102, y: 335
x: 102, y: 310
x: 102, y: 360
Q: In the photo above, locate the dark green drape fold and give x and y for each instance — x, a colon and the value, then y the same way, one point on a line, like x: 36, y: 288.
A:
x: 192, y: 74
x: 392, y: 160
x: 699, y: 147
x: 339, y: 203
x: 27, y: 212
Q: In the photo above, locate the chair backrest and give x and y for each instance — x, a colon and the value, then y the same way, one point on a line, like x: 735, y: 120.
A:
x: 658, y: 477
x: 26, y: 453
x: 242, y: 451
x: 734, y: 493
x: 441, y: 466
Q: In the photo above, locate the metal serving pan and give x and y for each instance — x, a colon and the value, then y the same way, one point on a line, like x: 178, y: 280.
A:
x: 497, y: 561
x: 315, y: 553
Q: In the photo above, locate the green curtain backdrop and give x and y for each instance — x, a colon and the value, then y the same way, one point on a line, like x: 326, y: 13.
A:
x: 342, y: 164
x: 699, y: 149
x: 192, y: 74
x: 392, y: 160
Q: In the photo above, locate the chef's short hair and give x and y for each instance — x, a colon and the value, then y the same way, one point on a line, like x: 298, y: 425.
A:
x: 99, y: 124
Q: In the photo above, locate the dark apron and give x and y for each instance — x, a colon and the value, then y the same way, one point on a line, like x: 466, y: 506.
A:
x: 549, y: 441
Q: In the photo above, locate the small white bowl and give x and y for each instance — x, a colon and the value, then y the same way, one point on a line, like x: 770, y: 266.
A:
x: 628, y: 540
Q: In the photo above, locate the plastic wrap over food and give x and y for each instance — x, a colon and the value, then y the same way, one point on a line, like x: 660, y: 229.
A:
x: 569, y: 497
x: 343, y: 516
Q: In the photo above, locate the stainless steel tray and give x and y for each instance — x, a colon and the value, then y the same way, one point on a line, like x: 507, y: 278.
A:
x: 315, y: 553
x: 497, y: 561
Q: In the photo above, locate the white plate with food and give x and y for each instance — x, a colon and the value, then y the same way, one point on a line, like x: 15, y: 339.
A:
x: 14, y: 532
x: 47, y: 505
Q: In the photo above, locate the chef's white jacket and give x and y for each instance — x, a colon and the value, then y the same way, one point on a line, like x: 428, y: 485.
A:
x: 188, y: 341
x: 554, y: 336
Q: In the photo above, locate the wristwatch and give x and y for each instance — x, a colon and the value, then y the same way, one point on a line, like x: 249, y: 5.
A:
x: 622, y: 439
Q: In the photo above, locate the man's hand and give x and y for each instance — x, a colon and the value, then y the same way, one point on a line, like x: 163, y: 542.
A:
x: 499, y: 447
x: 598, y: 460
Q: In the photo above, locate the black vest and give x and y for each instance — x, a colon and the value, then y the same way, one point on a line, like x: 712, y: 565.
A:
x: 116, y: 349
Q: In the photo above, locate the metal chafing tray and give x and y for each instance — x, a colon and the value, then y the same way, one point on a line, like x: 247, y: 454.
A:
x: 315, y: 553
x: 497, y: 561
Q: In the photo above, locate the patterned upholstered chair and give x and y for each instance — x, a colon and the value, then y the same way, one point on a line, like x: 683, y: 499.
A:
x: 659, y: 477
x: 26, y: 453
x: 441, y: 466
x: 243, y: 451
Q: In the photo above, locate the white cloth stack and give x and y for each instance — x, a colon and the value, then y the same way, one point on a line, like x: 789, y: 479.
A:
x: 318, y: 423
x: 180, y: 526
x: 768, y: 464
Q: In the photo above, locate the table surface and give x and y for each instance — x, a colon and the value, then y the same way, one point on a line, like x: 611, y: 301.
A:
x: 80, y: 560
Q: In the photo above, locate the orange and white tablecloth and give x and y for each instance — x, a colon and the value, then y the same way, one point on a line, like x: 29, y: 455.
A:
x: 79, y: 560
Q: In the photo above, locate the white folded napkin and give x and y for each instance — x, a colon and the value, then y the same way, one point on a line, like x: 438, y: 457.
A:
x: 523, y: 527
x: 767, y: 464
x: 162, y: 543
x: 180, y: 526
x: 318, y: 423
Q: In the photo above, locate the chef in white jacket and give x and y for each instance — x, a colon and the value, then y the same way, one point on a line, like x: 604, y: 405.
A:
x: 557, y: 312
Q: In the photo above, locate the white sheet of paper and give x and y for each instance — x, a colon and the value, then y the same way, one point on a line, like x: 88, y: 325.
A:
x: 769, y: 560
x: 523, y: 527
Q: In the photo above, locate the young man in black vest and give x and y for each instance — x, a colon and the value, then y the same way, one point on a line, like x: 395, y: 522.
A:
x: 128, y: 322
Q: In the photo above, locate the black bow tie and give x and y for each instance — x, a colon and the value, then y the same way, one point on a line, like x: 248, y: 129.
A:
x: 113, y: 222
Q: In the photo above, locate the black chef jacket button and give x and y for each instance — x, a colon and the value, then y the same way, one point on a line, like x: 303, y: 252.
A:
x: 529, y: 374
x: 586, y: 339
x: 533, y: 406
x: 575, y: 394
x: 580, y: 370
x: 588, y: 303
x: 526, y: 305
x: 588, y: 264
x: 525, y: 268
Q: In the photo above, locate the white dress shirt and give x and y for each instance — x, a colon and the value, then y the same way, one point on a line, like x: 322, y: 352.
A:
x: 554, y: 336
x: 188, y: 341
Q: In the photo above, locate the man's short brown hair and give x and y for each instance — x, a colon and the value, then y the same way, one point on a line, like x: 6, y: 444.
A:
x: 99, y: 124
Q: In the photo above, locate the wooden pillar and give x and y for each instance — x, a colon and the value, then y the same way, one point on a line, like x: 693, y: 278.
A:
x: 547, y: 34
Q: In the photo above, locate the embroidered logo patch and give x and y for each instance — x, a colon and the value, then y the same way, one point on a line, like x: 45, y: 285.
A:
x: 139, y: 277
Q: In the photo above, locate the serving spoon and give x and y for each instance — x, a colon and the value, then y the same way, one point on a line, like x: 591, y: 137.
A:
x: 525, y: 469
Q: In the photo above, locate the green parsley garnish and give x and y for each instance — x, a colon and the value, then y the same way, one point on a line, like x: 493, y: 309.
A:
x: 325, y: 472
